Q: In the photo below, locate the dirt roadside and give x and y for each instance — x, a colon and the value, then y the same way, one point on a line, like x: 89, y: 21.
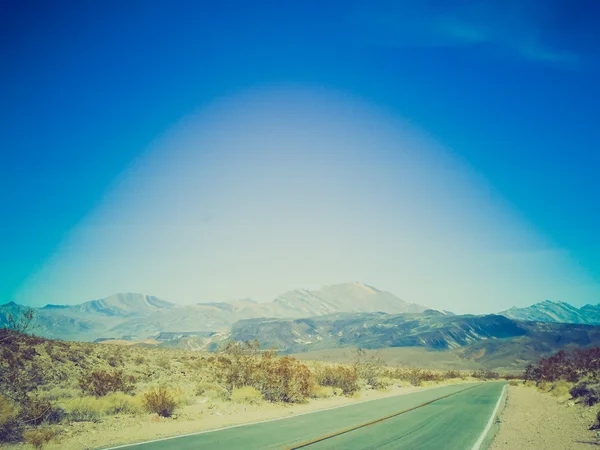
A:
x: 532, y: 420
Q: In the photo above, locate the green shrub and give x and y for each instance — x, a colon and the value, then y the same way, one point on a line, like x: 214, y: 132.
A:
x: 101, y: 382
x: 246, y: 394
x: 513, y: 383
x: 160, y: 401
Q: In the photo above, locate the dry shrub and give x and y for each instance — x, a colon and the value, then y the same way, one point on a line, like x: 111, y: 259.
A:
x: 36, y: 410
x: 570, y: 365
x: 101, y: 382
x: 416, y: 377
x: 160, y: 401
x: 11, y: 427
x: 282, y: 379
x: 513, y: 383
x: 278, y: 379
x: 368, y: 368
x: 588, y: 391
x: 484, y: 374
x: 39, y: 437
x: 450, y: 374
x: 341, y: 377
x: 246, y: 394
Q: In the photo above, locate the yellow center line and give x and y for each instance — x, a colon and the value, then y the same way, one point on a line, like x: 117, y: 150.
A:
x: 363, y: 425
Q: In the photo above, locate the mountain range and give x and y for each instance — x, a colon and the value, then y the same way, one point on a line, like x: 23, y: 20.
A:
x: 334, y: 317
x: 138, y: 316
x: 492, y: 341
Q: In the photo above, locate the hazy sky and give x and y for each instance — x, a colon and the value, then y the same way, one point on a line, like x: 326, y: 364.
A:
x: 446, y: 152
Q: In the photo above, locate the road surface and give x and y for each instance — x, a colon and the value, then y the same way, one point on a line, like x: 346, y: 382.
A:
x: 453, y: 417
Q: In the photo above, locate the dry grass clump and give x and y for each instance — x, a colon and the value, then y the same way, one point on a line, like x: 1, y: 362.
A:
x: 561, y: 388
x: 92, y: 409
x: 247, y: 395
x: 160, y: 401
x: 212, y: 390
x: 544, y: 386
x: 324, y: 392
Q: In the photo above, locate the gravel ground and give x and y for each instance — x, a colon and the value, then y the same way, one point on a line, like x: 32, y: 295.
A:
x: 535, y: 420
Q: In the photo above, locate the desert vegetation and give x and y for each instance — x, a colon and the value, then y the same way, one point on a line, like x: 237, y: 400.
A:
x: 47, y: 386
x: 575, y: 372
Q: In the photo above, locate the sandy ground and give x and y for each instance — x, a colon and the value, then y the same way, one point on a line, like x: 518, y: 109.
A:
x: 203, y: 414
x: 535, y: 420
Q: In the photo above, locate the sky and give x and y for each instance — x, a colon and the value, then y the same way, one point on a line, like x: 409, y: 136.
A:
x: 444, y: 151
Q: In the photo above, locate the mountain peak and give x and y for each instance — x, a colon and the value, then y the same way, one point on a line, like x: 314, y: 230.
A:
x: 552, y: 311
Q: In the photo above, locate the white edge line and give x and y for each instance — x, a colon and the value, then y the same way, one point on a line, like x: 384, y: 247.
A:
x: 269, y: 420
x: 477, y: 444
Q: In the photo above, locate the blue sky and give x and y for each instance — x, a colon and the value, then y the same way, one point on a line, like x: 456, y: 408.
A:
x: 509, y: 88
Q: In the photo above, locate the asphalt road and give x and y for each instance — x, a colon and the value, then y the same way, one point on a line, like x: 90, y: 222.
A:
x: 450, y: 417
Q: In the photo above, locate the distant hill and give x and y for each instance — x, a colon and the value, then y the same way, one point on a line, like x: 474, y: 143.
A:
x: 122, y: 305
x: 490, y: 340
x: 435, y: 331
x: 138, y: 316
x: 556, y: 312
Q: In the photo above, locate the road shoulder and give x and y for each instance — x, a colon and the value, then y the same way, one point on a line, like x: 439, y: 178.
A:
x: 532, y: 420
